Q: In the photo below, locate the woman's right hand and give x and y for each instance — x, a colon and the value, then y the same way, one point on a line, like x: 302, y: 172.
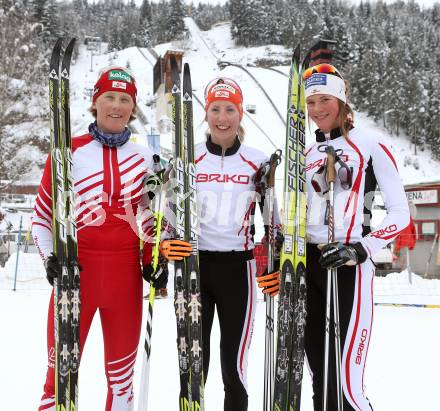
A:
x: 175, y: 250
x: 53, y: 267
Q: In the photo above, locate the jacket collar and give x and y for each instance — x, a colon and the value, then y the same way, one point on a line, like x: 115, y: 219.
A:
x: 320, y: 136
x: 335, y: 133
x: 217, y: 150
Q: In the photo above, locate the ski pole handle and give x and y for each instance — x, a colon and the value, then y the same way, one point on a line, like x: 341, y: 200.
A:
x: 274, y: 160
x: 330, y: 174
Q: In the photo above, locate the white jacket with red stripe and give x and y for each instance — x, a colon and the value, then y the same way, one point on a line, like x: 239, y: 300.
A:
x: 371, y: 161
x: 226, y: 195
x: 109, y: 198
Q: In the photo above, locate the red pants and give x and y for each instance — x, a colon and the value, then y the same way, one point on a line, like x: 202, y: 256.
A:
x: 112, y: 283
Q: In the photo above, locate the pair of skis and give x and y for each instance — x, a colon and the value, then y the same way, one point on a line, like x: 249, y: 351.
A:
x: 65, y: 247
x: 187, y: 298
x: 292, y: 299
x: 289, y: 359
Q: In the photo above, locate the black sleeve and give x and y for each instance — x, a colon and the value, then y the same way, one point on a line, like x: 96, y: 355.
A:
x: 370, y: 188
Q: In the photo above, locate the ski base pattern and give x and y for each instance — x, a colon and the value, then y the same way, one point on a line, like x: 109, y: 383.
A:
x: 66, y: 286
x: 187, y: 298
x: 292, y: 300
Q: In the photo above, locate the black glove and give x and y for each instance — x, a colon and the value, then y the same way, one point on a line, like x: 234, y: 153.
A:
x: 53, y: 267
x: 159, y: 278
x: 334, y: 255
x: 279, y: 241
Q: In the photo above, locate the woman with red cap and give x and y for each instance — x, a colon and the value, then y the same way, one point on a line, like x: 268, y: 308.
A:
x: 226, y: 197
x: 362, y: 163
x: 109, y: 175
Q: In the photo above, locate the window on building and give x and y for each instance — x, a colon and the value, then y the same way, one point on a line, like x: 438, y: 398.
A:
x: 428, y: 228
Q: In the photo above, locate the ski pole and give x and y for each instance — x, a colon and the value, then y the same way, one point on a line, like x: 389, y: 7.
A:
x: 430, y: 255
x: 155, y: 184
x: 269, y: 352
x: 18, y: 252
x: 332, y: 284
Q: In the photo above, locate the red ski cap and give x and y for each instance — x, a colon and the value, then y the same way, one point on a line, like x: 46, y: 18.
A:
x: 115, y: 79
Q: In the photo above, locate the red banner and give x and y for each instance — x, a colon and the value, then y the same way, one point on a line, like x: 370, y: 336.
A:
x: 407, y: 238
x: 260, y: 255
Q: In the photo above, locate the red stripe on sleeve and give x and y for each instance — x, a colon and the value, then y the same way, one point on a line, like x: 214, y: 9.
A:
x: 355, y: 190
x: 389, y: 155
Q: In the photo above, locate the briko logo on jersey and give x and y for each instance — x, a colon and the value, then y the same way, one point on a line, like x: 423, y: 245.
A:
x: 223, y: 178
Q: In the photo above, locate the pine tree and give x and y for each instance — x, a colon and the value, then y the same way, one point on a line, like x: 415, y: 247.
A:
x: 176, y: 25
x: 273, y: 18
x: 45, y: 13
x: 22, y: 67
x: 145, y: 12
x: 236, y: 8
x: 160, y: 22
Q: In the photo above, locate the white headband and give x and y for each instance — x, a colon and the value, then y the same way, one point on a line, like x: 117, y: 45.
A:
x: 322, y: 83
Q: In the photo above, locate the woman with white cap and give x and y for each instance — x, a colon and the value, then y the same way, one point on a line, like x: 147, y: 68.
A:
x: 227, y: 196
x: 362, y: 162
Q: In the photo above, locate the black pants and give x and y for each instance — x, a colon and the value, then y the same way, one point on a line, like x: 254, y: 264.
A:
x: 228, y: 284
x: 350, y: 305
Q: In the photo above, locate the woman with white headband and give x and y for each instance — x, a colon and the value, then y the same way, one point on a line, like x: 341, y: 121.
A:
x: 363, y: 162
x: 227, y: 196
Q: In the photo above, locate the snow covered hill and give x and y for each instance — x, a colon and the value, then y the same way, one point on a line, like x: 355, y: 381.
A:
x: 203, y: 50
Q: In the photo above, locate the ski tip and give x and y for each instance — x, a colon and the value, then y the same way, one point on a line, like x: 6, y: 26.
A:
x: 58, y: 45
x: 186, y: 69
x: 296, y: 53
x: 55, y: 59
x: 71, y: 44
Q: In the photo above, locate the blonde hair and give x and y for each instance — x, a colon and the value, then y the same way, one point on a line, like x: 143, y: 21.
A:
x: 346, y: 114
x: 345, y: 118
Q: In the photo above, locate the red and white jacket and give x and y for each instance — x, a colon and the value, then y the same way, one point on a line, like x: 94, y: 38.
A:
x: 226, y: 195
x: 109, y: 198
x: 370, y: 160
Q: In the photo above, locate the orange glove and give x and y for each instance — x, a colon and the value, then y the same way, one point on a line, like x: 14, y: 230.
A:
x: 270, y: 283
x: 175, y: 250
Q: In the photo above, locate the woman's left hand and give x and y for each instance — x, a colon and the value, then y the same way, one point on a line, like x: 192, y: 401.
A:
x: 270, y: 283
x: 335, y: 254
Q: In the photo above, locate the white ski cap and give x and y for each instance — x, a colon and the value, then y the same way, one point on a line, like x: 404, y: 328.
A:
x: 325, y: 83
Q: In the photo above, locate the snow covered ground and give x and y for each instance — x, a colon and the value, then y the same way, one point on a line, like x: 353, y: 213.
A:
x: 401, y: 374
